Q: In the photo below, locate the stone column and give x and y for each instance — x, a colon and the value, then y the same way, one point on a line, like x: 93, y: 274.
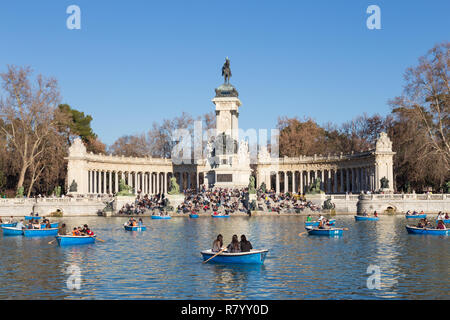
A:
x: 335, y: 187
x: 277, y: 182
x: 347, y: 180
x: 165, y: 181
x: 110, y: 182
x: 328, y: 181
x: 322, y: 180
x: 286, y: 181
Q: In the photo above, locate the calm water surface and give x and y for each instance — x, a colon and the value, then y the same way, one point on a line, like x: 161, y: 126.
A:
x: 164, y: 262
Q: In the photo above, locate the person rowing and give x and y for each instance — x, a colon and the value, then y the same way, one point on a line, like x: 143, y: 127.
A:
x: 217, y: 244
x: 62, y: 230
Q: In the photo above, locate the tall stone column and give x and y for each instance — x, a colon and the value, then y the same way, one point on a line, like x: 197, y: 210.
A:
x: 277, y: 181
x: 116, y: 182
x: 335, y: 187
x: 347, y: 180
x: 300, y: 177
x: 322, y: 180
x: 110, y: 182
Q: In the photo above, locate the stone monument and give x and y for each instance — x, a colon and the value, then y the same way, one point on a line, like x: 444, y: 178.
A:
x: 231, y: 160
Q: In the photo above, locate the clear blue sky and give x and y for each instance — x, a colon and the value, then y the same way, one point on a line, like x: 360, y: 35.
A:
x: 135, y: 62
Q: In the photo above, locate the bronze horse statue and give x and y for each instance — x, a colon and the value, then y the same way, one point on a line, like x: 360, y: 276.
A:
x: 226, y: 71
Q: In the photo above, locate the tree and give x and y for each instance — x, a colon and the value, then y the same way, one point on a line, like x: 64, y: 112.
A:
x: 420, y: 129
x: 427, y: 96
x: 130, y: 146
x: 28, y: 112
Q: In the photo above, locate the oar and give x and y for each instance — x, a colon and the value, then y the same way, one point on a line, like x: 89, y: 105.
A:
x: 215, y: 255
x: 301, y: 234
x: 52, y: 241
x: 99, y: 239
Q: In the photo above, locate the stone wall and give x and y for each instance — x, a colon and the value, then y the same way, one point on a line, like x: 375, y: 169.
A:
x: 71, y: 207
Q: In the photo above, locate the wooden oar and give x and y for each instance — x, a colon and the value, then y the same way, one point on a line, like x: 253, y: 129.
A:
x: 301, y: 234
x: 215, y: 255
x: 52, y: 241
x: 99, y: 239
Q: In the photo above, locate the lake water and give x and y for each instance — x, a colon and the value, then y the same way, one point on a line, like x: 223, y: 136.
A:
x: 164, y: 262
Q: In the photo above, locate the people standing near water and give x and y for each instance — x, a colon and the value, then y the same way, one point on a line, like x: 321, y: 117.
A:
x: 234, y: 246
x: 217, y: 244
x: 246, y: 246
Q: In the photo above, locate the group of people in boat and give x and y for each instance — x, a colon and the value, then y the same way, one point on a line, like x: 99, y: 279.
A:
x: 235, y: 245
x: 414, y: 213
x: 324, y: 223
x: 133, y: 223
x: 365, y: 214
x: 424, y: 223
x: 81, y: 231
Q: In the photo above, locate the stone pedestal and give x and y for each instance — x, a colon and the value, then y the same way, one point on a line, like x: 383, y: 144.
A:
x: 175, y: 200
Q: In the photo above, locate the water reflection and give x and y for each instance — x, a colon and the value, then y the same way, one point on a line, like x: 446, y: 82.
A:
x: 164, y: 262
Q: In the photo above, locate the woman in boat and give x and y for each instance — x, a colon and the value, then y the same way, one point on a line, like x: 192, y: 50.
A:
x: 441, y: 225
x: 76, y: 232
x: 234, y: 246
x: 217, y: 244
x: 36, y: 224
x: 246, y: 246
x: 48, y: 225
x: 309, y: 218
x: 87, y: 231
x: 375, y: 214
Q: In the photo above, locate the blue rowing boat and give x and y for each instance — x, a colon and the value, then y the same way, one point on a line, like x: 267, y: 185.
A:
x: 161, y: 217
x: 325, y: 232
x: 32, y: 218
x: 10, y: 225
x: 444, y: 220
x: 415, y: 230
x: 220, y: 215
x: 135, y: 228
x: 12, y: 231
x: 366, y: 218
x: 331, y: 222
x: 74, y: 240
x: 54, y: 225
x: 415, y: 216
x: 40, y: 232
x: 251, y: 257
x: 193, y: 215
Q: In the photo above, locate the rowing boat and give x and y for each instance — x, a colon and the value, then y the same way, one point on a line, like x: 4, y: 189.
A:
x: 415, y: 230
x: 415, y: 216
x: 161, y: 217
x: 220, y: 215
x: 54, y: 225
x: 251, y: 257
x: 74, y: 240
x: 316, y: 223
x: 135, y: 228
x: 193, y: 215
x: 40, y: 232
x: 32, y: 218
x: 324, y: 232
x: 366, y: 218
x: 10, y: 225
x: 12, y: 231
